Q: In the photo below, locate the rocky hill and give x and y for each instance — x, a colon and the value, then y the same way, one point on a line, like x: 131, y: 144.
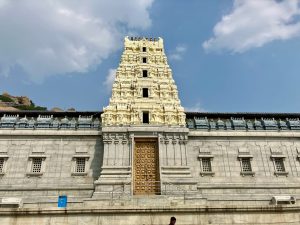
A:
x: 9, y: 102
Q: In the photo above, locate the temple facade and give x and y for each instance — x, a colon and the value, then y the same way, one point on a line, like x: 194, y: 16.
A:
x: 143, y: 159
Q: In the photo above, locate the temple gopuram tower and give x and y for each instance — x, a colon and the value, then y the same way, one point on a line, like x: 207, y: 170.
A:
x: 144, y: 91
x: 143, y: 126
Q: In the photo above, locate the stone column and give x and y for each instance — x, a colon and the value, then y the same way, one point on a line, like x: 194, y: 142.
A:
x: 115, y: 176
x: 175, y: 171
x: 178, y: 160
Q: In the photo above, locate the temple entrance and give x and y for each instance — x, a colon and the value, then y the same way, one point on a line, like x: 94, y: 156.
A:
x: 146, y: 167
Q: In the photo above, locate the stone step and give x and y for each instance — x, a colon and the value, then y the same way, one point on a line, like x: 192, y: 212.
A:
x: 148, y: 200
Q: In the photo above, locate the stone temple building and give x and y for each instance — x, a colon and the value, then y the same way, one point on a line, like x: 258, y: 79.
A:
x: 144, y: 159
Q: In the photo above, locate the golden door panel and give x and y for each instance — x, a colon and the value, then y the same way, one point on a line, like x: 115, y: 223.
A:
x: 146, y: 172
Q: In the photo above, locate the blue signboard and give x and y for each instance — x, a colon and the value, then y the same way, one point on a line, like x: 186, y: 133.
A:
x: 62, y: 201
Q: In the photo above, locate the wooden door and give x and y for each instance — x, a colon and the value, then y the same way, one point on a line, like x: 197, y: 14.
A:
x: 146, y: 167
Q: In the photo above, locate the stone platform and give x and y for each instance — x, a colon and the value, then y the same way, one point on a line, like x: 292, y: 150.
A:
x: 98, y: 214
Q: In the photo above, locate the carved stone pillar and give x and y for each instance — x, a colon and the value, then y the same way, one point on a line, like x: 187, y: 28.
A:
x: 175, y: 171
x: 115, y: 173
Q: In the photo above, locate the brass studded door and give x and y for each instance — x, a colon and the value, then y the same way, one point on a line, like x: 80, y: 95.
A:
x: 146, y: 167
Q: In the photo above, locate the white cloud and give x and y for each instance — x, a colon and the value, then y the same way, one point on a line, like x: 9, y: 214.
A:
x: 109, y: 80
x: 58, y: 37
x: 254, y: 23
x: 178, y: 53
x: 195, y: 108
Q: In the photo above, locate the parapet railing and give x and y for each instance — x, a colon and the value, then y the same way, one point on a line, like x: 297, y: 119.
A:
x: 49, y: 122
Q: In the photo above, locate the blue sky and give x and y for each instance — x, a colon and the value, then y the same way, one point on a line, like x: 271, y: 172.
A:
x: 226, y: 56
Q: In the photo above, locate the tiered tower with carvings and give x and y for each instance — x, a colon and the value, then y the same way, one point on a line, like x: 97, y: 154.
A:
x: 144, y: 91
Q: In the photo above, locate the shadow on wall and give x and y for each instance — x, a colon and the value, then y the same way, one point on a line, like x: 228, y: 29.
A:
x: 97, y: 160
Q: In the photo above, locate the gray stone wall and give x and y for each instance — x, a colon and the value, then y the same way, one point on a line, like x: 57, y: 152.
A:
x: 227, y: 182
x: 58, y: 150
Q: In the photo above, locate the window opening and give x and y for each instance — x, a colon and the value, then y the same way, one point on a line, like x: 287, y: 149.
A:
x: 36, y: 165
x: 246, y: 165
x: 206, y: 165
x: 279, y: 165
x: 145, y: 117
x: 145, y: 73
x: 1, y: 165
x: 145, y: 93
x: 80, y: 165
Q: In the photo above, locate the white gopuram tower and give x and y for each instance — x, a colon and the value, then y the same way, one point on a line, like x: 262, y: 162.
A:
x: 144, y: 91
x: 143, y: 127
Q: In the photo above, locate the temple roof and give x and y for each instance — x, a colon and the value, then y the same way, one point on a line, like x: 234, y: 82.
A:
x: 194, y: 120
